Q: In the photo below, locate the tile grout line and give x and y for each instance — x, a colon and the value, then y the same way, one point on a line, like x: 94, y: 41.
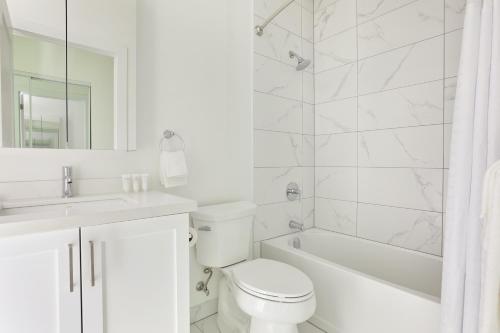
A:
x: 443, y: 208
x: 357, y: 118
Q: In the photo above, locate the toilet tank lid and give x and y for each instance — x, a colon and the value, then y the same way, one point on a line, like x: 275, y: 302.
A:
x: 226, y: 211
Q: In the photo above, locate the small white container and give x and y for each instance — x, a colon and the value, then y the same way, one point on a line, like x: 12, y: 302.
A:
x: 145, y: 182
x: 136, y: 182
x: 126, y: 183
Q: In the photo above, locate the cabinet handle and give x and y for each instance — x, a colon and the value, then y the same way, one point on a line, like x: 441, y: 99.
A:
x: 71, y: 281
x: 92, y: 275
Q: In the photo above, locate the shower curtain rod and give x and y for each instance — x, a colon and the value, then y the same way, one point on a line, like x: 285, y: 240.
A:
x: 259, y: 29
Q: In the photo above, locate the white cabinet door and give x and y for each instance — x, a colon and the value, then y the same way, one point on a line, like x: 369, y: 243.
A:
x: 135, y: 276
x: 40, y: 283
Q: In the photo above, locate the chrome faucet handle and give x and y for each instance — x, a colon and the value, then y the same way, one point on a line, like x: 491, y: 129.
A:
x: 294, y: 225
x: 67, y: 181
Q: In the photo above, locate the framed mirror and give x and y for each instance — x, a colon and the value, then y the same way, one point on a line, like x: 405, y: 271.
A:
x: 68, y: 74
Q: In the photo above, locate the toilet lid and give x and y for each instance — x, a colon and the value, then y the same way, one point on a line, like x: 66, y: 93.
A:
x: 272, y: 279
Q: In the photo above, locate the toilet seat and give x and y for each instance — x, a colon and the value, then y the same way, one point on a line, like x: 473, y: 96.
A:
x: 273, y: 280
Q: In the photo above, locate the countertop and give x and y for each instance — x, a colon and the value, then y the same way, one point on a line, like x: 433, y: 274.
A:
x: 122, y: 207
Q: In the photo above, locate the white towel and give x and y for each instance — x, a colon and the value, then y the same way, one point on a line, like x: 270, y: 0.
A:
x: 173, y: 169
x: 489, y: 317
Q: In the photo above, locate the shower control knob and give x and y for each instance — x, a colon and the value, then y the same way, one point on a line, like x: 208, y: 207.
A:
x: 293, y: 191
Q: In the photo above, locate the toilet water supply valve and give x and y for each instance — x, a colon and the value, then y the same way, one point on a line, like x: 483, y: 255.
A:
x: 203, y: 285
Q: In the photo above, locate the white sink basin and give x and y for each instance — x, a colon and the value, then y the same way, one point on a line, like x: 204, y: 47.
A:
x: 64, y: 206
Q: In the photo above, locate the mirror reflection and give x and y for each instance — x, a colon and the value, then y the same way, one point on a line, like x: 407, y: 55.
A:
x: 60, y: 93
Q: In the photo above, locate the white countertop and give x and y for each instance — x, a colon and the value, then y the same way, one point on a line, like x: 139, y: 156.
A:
x: 121, y: 207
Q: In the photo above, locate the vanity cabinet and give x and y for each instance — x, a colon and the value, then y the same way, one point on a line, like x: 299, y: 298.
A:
x: 113, y: 278
x: 40, y: 283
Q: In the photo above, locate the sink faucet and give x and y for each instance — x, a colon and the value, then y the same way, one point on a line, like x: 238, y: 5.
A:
x: 294, y: 225
x: 67, y: 181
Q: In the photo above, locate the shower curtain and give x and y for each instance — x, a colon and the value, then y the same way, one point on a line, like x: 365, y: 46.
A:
x: 475, y: 145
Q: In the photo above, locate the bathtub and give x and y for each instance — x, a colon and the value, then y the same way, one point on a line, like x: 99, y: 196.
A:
x: 363, y: 286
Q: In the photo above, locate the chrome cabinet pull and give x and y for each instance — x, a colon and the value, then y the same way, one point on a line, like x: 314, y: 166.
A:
x: 92, y: 275
x: 71, y: 281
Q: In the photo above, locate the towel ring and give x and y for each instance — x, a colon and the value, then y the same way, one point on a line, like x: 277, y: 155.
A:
x: 167, y: 136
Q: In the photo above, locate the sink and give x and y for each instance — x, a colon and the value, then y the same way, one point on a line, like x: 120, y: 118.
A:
x: 66, y: 207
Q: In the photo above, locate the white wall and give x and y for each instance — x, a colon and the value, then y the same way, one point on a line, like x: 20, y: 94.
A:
x: 195, y: 77
x: 195, y: 73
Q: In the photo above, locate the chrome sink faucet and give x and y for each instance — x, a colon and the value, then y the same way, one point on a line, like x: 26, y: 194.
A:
x: 67, y: 182
x: 294, y: 225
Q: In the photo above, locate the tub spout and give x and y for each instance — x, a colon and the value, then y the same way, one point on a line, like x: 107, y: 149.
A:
x: 294, y: 225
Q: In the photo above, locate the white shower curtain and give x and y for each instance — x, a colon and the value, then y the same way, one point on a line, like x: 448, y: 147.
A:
x: 475, y: 146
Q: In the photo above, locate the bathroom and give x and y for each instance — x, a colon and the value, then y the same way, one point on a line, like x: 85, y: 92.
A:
x: 315, y: 159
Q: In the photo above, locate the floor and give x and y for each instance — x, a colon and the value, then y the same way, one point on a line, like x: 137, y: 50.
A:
x: 209, y: 325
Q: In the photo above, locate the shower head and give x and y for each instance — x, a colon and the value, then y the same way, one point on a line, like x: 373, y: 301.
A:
x: 301, y: 62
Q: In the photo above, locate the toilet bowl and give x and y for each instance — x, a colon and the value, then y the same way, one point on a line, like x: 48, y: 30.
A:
x: 276, y: 296
x: 256, y: 296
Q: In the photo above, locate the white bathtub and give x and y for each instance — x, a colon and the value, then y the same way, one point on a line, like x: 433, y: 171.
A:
x: 363, y: 286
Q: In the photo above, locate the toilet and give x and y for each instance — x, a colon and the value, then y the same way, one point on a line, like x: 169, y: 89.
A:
x: 256, y: 296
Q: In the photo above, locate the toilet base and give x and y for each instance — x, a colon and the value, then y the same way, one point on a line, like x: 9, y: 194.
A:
x: 261, y: 326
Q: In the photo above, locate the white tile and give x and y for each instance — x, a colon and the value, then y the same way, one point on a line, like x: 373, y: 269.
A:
x: 276, y: 78
x: 274, y: 149
x: 335, y: 84
x: 308, y: 5
x: 307, y: 182
x: 420, y: 146
x: 447, y: 144
x: 450, y: 88
x: 453, y: 44
x: 338, y: 216
x: 334, y: 18
x: 410, y: 106
x: 270, y: 183
x: 308, y: 115
x: 203, y: 310
x: 208, y: 325
x: 308, y: 25
x: 414, y: 64
x: 308, y: 212
x: 337, y: 183
x: 276, y: 113
x: 308, y: 328
x: 320, y: 4
x: 194, y: 329
x: 272, y: 220
x: 308, y: 53
x: 256, y: 250
x: 369, y: 9
x: 445, y: 191
x: 401, y: 187
x: 454, y: 14
x: 307, y: 151
x: 289, y: 19
x: 411, y: 229
x: 276, y: 42
x: 336, y: 117
x: 336, y: 150
x: 335, y: 51
x: 413, y: 23
x: 308, y: 87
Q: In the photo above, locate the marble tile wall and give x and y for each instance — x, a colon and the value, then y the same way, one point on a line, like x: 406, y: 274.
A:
x: 385, y: 77
x: 283, y: 118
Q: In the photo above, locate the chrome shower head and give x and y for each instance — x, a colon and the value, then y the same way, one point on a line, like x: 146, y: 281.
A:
x: 302, y: 63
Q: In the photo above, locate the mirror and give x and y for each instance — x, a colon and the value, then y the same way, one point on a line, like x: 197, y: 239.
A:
x: 68, y: 74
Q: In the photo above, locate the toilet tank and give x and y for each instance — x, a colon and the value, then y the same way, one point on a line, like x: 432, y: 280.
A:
x: 224, y: 233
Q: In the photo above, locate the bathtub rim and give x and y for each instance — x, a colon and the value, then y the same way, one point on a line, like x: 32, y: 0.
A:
x: 282, y: 243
